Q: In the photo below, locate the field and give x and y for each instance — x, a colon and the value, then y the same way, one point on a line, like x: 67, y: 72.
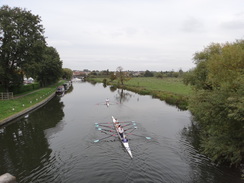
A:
x: 173, y: 85
x: 172, y: 90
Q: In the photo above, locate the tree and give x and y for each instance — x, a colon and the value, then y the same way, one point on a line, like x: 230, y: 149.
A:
x: 50, y: 67
x: 181, y: 72
x: 20, y: 33
x: 112, y: 76
x: 121, y: 75
x: 67, y: 73
x: 160, y: 75
x: 148, y: 74
x: 218, y: 104
x: 32, y: 66
x: 198, y: 77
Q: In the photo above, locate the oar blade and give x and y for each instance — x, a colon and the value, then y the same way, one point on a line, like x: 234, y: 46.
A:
x: 148, y: 138
x: 96, y: 141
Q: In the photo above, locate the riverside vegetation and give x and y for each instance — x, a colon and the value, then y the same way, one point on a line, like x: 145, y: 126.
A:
x: 25, y: 53
x: 25, y: 100
x: 218, y: 101
x: 171, y: 90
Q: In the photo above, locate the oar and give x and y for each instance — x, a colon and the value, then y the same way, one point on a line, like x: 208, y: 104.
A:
x: 148, y: 138
x: 129, y: 125
x: 133, y: 127
x: 127, y: 122
x: 131, y: 130
x: 101, y: 103
x: 103, y: 123
x: 97, y: 125
x: 100, y: 129
x: 105, y: 132
x: 103, y: 138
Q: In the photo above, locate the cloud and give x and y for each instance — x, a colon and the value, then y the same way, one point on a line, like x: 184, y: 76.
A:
x: 192, y: 24
x: 136, y: 34
x: 235, y: 23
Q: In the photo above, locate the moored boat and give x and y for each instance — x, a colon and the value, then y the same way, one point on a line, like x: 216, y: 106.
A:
x: 60, y: 89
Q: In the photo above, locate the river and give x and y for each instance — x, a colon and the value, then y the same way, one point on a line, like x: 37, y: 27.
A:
x: 55, y: 143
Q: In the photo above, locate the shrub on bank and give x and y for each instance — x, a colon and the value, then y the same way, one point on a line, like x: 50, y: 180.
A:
x: 25, y: 88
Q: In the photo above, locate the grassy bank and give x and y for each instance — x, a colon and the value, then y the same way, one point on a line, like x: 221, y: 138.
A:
x: 171, y: 90
x: 20, y: 103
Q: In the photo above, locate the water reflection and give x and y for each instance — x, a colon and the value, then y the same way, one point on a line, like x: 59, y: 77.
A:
x: 71, y: 88
x: 123, y: 96
x: 112, y: 88
x: 24, y: 146
x: 201, y: 164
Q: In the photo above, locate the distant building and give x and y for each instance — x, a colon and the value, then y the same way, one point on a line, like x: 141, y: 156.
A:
x: 80, y: 74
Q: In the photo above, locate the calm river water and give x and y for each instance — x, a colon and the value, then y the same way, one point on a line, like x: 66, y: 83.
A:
x: 56, y: 142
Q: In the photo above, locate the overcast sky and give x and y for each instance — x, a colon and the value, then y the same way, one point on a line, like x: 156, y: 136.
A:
x: 155, y: 35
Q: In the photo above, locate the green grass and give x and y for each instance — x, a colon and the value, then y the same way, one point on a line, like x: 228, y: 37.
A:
x: 173, y: 85
x: 13, y: 106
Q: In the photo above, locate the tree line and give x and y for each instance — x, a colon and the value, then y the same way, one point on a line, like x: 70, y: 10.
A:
x: 147, y: 73
x: 218, y: 101
x: 24, y: 51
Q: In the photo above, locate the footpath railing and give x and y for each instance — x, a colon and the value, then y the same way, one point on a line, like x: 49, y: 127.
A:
x: 6, y: 95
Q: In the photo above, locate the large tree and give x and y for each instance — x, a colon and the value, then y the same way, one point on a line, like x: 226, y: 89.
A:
x: 218, y: 104
x: 21, y: 44
x: 50, y: 67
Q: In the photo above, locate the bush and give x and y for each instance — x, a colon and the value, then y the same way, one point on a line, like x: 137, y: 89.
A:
x: 25, y: 88
x: 218, y: 103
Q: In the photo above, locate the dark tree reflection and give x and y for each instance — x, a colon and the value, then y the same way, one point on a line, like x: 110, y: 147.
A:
x: 123, y: 96
x: 23, y: 142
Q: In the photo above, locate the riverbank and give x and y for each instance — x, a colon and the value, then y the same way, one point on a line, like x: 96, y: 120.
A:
x: 27, y: 110
x: 172, y: 90
x: 23, y: 104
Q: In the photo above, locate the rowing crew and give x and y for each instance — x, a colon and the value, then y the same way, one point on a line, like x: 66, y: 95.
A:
x: 121, y: 131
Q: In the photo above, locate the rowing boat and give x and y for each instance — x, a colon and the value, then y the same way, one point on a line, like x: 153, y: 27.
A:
x: 125, y: 143
x: 107, y: 102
